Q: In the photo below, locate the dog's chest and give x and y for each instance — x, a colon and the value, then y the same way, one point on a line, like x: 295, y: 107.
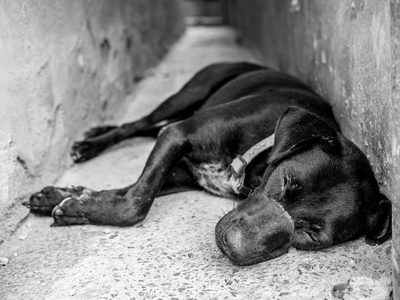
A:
x: 213, y: 177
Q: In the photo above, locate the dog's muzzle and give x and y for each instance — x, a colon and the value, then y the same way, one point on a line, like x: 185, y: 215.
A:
x: 258, y: 229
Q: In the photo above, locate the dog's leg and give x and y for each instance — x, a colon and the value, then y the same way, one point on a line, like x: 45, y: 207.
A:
x: 124, y: 207
x: 177, y: 107
x: 43, y: 202
x: 99, y: 130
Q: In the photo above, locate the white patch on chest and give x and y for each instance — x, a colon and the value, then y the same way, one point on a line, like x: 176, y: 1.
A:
x: 213, y: 177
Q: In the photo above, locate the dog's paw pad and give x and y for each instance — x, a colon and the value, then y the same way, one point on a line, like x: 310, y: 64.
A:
x: 69, y: 212
x: 57, y: 212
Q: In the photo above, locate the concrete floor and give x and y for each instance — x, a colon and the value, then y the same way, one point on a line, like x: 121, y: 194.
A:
x: 172, y: 254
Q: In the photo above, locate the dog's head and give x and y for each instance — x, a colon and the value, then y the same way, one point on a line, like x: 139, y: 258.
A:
x: 318, y: 190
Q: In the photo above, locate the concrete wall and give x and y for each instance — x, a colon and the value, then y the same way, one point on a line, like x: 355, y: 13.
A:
x: 343, y: 50
x: 66, y: 65
x: 395, y: 107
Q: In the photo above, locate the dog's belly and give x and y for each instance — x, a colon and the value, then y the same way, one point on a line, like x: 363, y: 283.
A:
x: 213, y: 177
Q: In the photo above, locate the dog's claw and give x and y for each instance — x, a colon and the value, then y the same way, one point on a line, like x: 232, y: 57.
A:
x: 75, y: 156
x: 80, y: 152
x: 26, y: 204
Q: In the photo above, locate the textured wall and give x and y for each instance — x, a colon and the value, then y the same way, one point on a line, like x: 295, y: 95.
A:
x: 66, y: 65
x: 343, y: 50
x: 395, y: 107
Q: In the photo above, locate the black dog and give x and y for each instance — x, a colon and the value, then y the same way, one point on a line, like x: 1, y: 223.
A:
x: 311, y: 189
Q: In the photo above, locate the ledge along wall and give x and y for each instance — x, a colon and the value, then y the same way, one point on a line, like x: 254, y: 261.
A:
x: 343, y: 50
x: 65, y: 66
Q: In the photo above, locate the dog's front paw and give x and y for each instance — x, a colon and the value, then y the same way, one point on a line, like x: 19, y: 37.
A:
x: 43, y: 202
x: 97, y: 131
x: 98, y: 208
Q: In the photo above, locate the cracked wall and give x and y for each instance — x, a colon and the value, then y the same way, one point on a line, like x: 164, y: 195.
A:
x: 66, y: 66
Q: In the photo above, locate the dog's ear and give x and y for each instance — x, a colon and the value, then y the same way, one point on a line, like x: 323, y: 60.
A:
x: 379, y: 222
x: 298, y: 130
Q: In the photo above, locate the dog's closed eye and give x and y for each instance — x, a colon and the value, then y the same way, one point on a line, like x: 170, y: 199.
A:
x: 290, y: 187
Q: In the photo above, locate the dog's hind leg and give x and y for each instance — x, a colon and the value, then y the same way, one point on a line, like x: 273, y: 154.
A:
x: 127, y: 206
x: 99, y: 130
x: 177, y: 107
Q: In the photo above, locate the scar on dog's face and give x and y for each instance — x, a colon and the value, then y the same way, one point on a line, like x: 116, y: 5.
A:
x: 318, y: 190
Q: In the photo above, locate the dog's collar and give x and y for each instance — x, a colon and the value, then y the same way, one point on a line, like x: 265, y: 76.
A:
x: 239, y: 164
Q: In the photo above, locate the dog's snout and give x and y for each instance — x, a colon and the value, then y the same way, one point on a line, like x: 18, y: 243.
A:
x: 258, y: 231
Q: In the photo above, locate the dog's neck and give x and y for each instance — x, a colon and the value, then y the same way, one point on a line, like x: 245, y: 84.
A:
x: 239, y: 164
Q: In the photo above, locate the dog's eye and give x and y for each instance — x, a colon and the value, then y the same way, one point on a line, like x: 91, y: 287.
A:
x: 290, y: 182
x: 283, y: 187
x: 291, y: 185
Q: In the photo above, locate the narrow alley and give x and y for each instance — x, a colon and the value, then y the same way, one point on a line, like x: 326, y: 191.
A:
x: 172, y: 254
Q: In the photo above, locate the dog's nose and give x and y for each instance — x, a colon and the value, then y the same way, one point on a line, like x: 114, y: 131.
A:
x: 232, y: 242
